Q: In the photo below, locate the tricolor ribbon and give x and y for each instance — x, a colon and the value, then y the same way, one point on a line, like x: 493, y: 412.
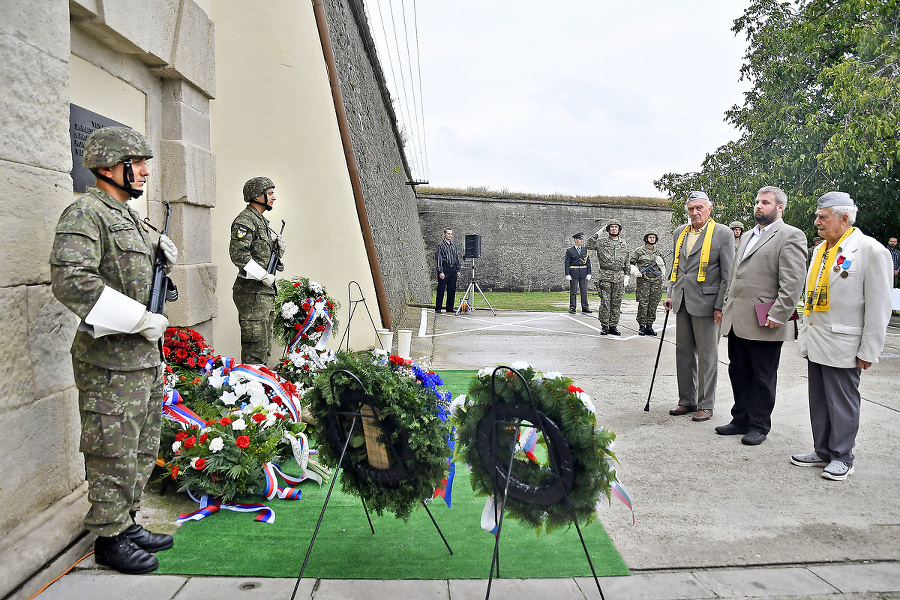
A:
x: 318, y: 309
x: 290, y: 401
x: 272, y: 489
x: 618, y: 490
x: 175, y: 410
x: 445, y: 487
x: 210, y: 505
x: 300, y: 448
x: 489, y: 516
x: 527, y: 442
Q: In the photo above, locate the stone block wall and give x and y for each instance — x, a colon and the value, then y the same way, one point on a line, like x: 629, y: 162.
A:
x: 383, y: 172
x: 523, y: 242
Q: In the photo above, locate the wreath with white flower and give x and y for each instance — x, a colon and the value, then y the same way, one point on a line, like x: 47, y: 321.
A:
x: 583, y: 464
x: 305, y: 315
x: 413, y: 417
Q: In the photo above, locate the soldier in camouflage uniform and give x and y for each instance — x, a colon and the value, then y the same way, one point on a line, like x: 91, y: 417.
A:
x: 612, y: 276
x: 737, y: 228
x: 252, y: 244
x: 647, y: 266
x: 101, y: 268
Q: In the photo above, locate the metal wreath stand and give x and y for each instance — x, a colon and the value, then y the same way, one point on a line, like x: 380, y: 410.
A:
x: 558, y: 449
x: 358, y: 405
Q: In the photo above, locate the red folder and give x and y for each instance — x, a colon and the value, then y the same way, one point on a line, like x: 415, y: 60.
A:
x: 762, y: 312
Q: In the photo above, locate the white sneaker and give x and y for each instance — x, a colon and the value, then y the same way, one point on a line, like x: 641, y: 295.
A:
x: 837, y: 470
x: 808, y: 460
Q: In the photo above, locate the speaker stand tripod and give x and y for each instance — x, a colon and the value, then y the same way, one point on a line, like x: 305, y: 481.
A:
x: 469, y: 296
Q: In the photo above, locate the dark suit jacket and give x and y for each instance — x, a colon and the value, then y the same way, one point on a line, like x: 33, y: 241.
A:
x: 774, y: 270
x: 702, y: 298
x: 573, y: 260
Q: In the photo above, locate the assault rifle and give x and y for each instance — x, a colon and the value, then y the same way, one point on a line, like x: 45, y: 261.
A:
x: 275, y: 263
x: 163, y: 289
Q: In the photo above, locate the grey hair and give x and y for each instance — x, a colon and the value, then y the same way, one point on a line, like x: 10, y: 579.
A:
x: 780, y: 196
x: 850, y: 211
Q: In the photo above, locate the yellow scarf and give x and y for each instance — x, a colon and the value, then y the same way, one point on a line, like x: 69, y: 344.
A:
x: 817, y: 297
x: 704, y: 251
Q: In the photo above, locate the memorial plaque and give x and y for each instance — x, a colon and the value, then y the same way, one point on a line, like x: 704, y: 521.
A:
x: 82, y: 123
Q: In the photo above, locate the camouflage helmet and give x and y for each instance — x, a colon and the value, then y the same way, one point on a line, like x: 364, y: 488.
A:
x: 108, y: 146
x: 256, y: 186
x: 611, y: 223
x: 648, y: 234
x: 736, y: 225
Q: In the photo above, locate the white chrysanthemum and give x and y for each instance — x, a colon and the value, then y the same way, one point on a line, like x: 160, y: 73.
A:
x: 485, y: 372
x: 239, y: 425
x: 520, y: 365
x: 288, y: 310
x: 316, y: 287
x: 216, y: 445
x: 229, y: 398
x: 176, y: 446
x: 379, y: 353
x: 552, y: 375
x: 455, y: 405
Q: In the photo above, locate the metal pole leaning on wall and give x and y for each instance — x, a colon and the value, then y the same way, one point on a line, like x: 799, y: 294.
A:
x: 322, y: 24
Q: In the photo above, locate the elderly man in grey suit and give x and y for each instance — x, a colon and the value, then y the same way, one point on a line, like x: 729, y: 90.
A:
x: 845, y: 316
x: 704, y: 252
x: 768, y: 269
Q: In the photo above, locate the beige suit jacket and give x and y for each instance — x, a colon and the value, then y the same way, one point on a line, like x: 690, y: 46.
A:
x: 773, y: 270
x: 702, y: 298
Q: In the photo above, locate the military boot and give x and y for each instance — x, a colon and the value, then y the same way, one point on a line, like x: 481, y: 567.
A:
x: 642, y: 330
x: 613, y: 330
x: 121, y: 554
x: 147, y: 540
x: 649, y: 330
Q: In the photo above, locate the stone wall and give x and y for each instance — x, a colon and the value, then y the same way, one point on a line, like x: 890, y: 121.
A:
x: 383, y: 171
x: 523, y: 242
x: 166, y: 52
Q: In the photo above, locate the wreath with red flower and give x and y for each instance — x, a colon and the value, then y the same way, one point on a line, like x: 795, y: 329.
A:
x: 304, y: 312
x: 184, y: 347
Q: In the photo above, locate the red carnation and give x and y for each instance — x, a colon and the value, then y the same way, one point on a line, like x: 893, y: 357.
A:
x: 304, y: 336
x: 166, y: 351
x: 174, y: 471
x: 298, y: 326
x: 396, y: 359
x: 189, y: 442
x: 180, y: 436
x: 242, y: 442
x: 224, y: 421
x: 320, y: 328
x: 191, y: 362
x: 329, y: 305
x: 211, y: 422
x: 169, y: 369
x: 307, y: 306
x: 296, y: 285
x: 259, y: 417
x: 202, y: 439
x: 199, y: 463
x: 575, y: 390
x: 280, y: 416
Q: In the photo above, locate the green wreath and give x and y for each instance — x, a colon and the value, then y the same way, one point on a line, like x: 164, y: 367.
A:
x: 410, y: 417
x: 583, y: 458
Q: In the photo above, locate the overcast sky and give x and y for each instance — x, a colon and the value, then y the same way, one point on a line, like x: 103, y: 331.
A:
x: 579, y: 97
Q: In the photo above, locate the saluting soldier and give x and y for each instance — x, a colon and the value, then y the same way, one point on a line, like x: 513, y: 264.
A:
x: 612, y: 276
x: 251, y: 247
x: 101, y: 268
x: 578, y: 273
x: 648, y: 267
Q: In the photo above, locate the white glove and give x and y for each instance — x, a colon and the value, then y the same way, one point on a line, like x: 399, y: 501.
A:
x: 588, y: 276
x: 627, y: 280
x: 281, y: 244
x: 152, y: 326
x: 168, y: 249
x: 568, y: 278
x: 635, y: 271
x: 660, y: 262
x: 269, y: 279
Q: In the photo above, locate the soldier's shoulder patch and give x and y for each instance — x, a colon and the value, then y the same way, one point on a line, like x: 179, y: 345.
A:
x: 240, y: 231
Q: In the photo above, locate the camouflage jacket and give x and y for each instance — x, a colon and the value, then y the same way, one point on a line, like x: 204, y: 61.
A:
x: 644, y: 259
x: 251, y: 237
x: 612, y: 258
x: 100, y: 242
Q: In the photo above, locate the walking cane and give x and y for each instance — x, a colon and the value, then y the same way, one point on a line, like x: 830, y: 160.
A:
x: 658, y: 352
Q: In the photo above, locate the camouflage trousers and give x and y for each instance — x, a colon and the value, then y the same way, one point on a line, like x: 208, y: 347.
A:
x: 121, y: 413
x: 256, y: 316
x: 611, y: 293
x: 648, y: 293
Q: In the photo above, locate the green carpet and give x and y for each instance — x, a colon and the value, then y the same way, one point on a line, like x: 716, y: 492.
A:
x: 233, y: 544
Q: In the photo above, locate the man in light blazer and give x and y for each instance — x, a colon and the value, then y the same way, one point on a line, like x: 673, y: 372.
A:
x: 704, y: 251
x: 768, y: 267
x: 845, y: 316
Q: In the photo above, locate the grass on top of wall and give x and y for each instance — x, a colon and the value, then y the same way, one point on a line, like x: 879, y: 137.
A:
x: 485, y: 192
x: 546, y: 301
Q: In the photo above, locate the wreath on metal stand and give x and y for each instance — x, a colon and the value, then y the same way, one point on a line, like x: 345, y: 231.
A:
x: 533, y: 444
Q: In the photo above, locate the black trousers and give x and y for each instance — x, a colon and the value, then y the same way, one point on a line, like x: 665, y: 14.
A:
x: 448, y: 283
x: 574, y: 285
x: 754, y: 375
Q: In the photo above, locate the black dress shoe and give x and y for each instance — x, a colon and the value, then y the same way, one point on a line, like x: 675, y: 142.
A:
x: 587, y: 310
x: 121, y: 554
x: 730, y: 429
x: 572, y: 310
x: 147, y: 540
x: 649, y: 330
x: 753, y: 438
x: 613, y: 330
x: 604, y: 330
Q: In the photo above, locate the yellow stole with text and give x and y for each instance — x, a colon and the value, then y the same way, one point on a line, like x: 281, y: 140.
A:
x: 704, y: 251
x: 817, y: 292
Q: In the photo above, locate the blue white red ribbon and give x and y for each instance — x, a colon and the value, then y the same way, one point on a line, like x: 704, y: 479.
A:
x: 210, y: 505
x: 528, y: 442
x: 445, y: 487
x: 273, y: 472
x: 618, y: 490
x: 289, y: 400
x: 175, y: 410
x: 489, y: 516
x: 318, y: 309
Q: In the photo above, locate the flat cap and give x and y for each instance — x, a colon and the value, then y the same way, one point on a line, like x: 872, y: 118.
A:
x: 697, y: 195
x: 835, y: 199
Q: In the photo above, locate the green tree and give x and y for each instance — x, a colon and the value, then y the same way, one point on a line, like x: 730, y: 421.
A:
x: 822, y: 114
